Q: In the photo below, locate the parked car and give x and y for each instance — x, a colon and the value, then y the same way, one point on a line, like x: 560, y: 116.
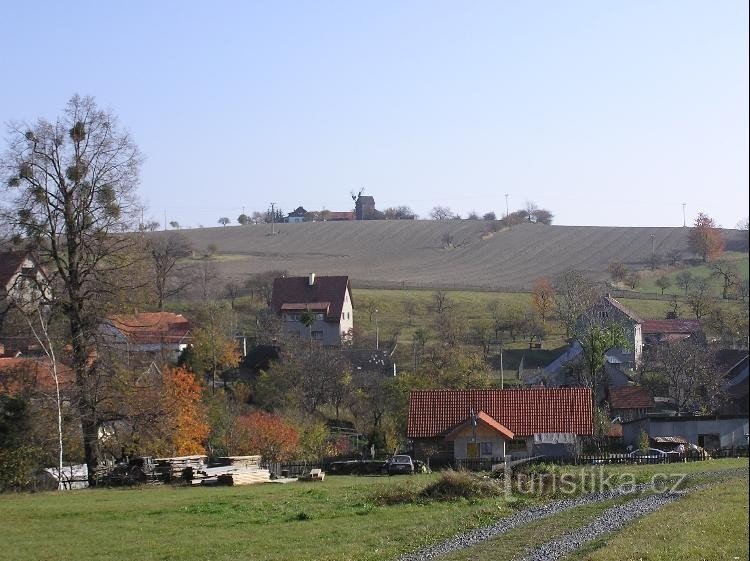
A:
x: 400, y: 464
x: 649, y: 456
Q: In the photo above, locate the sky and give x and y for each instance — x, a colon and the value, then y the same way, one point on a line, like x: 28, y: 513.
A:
x: 612, y: 113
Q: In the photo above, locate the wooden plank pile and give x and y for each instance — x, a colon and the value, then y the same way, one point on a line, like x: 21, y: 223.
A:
x: 233, y: 470
x: 172, y: 469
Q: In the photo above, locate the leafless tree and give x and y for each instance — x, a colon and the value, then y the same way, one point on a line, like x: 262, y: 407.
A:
x: 441, y: 213
x: 207, y: 272
x: 71, y: 185
x: 574, y: 294
x: 165, y: 252
x: 700, y: 300
x: 727, y: 272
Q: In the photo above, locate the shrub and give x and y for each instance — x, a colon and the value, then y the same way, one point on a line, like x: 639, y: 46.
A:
x: 460, y: 484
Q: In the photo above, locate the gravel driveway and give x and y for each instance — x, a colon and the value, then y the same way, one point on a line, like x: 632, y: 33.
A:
x: 612, y: 519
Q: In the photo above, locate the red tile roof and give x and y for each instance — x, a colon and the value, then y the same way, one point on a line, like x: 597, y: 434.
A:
x: 298, y: 291
x: 523, y: 411
x: 152, y: 327
x: 629, y: 397
x: 18, y: 374
x: 485, y: 419
x: 659, y: 326
x: 348, y: 215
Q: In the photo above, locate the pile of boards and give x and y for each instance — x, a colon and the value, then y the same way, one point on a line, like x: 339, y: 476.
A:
x: 233, y: 470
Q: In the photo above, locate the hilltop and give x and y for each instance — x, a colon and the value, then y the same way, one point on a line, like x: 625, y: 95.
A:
x: 434, y: 254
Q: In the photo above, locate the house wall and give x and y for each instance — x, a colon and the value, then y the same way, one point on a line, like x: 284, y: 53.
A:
x: 346, y: 323
x: 731, y: 431
x: 494, y: 446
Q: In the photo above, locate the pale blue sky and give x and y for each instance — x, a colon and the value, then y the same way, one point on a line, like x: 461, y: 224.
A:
x: 607, y: 113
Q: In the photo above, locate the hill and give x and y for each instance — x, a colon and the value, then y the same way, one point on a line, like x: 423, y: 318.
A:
x: 433, y: 254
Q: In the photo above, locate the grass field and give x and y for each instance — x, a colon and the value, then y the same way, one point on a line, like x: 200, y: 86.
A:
x: 709, y: 525
x: 336, y: 520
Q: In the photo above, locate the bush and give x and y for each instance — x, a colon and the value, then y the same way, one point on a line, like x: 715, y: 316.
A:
x: 460, y: 484
x: 17, y: 466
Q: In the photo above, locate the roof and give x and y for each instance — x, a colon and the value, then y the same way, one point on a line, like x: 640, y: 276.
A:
x: 152, y: 327
x: 10, y: 261
x: 483, y: 419
x: 24, y: 373
x: 659, y: 326
x: 522, y: 411
x: 335, y: 215
x: 629, y: 397
x: 298, y: 212
x: 299, y: 292
x: 615, y: 304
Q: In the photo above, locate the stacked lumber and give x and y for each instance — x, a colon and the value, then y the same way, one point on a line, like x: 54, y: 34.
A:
x: 170, y: 469
x: 244, y: 477
x: 239, y: 461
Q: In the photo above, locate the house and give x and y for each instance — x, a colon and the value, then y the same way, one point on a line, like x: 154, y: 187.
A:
x: 492, y: 424
x: 22, y: 281
x: 629, y: 402
x: 607, y: 311
x: 657, y: 331
x: 710, y: 432
x: 299, y: 215
x: 733, y: 365
x: 23, y: 375
x: 327, y: 299
x: 163, y: 334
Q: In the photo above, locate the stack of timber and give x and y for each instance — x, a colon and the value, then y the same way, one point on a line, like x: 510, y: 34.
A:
x: 172, y: 469
x: 233, y: 470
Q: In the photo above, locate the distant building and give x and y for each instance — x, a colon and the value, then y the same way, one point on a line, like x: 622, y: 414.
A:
x: 299, y: 215
x: 156, y: 334
x: 709, y: 432
x: 364, y: 207
x: 332, y: 216
x: 327, y: 299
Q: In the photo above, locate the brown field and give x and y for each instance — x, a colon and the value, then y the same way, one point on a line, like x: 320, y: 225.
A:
x: 414, y: 253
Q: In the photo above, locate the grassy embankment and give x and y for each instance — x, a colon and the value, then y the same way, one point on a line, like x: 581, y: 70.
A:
x: 339, y: 519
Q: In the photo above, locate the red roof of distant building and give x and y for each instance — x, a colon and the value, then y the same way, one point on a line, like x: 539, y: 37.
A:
x: 298, y: 292
x: 18, y: 374
x: 152, y: 327
x: 629, y: 397
x: 349, y: 215
x: 523, y: 411
x: 658, y: 326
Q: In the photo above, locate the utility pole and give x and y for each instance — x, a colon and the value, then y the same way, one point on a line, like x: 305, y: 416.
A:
x: 683, y: 215
x: 273, y: 218
x: 502, y: 372
x: 507, y: 210
x: 377, y: 333
x: 653, y: 253
x: 165, y: 220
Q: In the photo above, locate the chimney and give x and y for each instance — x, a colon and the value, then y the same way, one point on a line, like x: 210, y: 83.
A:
x: 311, y: 280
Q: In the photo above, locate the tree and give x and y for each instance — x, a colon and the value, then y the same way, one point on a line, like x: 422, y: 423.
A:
x: 174, y: 225
x: 663, y: 283
x: 542, y: 216
x: 489, y: 216
x: 686, y: 372
x: 700, y: 300
x: 243, y: 219
x: 150, y: 226
x: 224, y: 221
x: 543, y: 299
x: 73, y: 188
x: 275, y: 215
x: 531, y: 208
x: 595, y: 341
x: 205, y: 274
x: 441, y: 213
x: 685, y: 280
x: 674, y: 256
x: 574, y: 294
x: 399, y: 213
x: 165, y: 252
x: 473, y: 215
x: 184, y: 413
x: 727, y: 272
x: 705, y: 238
x: 633, y: 280
x: 618, y: 272
x: 265, y: 434
x: 215, y: 349
x: 261, y: 284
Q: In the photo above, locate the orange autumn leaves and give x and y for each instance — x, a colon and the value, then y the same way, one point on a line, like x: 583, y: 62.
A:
x: 186, y: 425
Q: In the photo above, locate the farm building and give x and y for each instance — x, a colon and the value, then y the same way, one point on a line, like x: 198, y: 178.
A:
x: 492, y: 424
x: 710, y: 432
x: 298, y: 215
x: 155, y: 334
x: 326, y: 301
x: 629, y: 402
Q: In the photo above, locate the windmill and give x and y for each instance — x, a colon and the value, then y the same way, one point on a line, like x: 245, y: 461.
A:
x: 355, y: 198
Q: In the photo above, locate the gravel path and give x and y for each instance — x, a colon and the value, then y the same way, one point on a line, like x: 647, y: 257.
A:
x: 612, y: 519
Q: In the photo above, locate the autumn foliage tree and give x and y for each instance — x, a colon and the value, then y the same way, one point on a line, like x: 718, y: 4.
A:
x: 543, y: 299
x: 184, y: 414
x: 705, y: 238
x: 266, y: 434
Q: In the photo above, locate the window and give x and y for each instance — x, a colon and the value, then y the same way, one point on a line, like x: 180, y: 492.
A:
x: 347, y: 315
x: 485, y: 448
x: 319, y: 316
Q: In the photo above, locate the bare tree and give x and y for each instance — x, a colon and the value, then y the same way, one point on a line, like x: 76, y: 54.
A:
x: 165, y: 252
x: 700, y: 300
x: 685, y: 280
x: 441, y: 302
x: 441, y: 213
x: 206, y: 273
x: 727, y: 272
x: 574, y: 294
x: 71, y: 185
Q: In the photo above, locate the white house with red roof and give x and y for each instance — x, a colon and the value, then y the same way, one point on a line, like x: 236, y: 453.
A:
x: 327, y: 299
x: 153, y: 333
x: 491, y: 424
